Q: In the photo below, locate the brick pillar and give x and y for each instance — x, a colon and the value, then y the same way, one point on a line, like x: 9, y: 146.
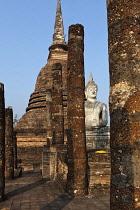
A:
x: 49, y: 116
x: 57, y: 105
x: 2, y: 142
x: 9, y: 144
x: 15, y: 150
x: 46, y: 151
x: 77, y: 162
x: 124, y: 67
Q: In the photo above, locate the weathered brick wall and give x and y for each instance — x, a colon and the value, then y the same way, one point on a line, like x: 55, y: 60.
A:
x: 124, y: 67
x: 30, y: 158
x: 9, y: 144
x: 99, y: 163
x: 77, y: 162
x: 2, y: 142
x: 55, y: 164
x: 99, y: 171
x: 98, y: 139
x: 62, y: 169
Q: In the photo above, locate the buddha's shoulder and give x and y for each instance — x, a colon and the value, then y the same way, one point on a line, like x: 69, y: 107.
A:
x: 101, y: 104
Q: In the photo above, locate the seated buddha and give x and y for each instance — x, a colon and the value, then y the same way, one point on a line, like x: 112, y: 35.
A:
x: 95, y: 111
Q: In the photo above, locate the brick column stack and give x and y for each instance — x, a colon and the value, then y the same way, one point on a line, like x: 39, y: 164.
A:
x: 15, y: 150
x: 124, y: 67
x: 49, y: 116
x: 9, y: 144
x: 57, y: 105
x: 2, y: 142
x: 46, y: 150
x: 77, y: 162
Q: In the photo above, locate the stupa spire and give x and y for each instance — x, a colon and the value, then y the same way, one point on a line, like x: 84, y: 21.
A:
x: 58, y: 36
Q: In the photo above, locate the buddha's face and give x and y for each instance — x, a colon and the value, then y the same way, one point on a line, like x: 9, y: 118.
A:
x: 91, y: 92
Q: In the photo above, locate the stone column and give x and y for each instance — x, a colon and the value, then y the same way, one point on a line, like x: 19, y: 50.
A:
x: 57, y: 105
x: 2, y: 142
x: 9, y: 144
x: 124, y: 67
x: 77, y: 162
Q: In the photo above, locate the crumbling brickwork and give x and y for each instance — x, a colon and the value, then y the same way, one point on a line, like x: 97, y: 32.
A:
x: 2, y: 142
x: 32, y: 128
x: 9, y: 144
x: 62, y: 168
x: 77, y: 161
x: 124, y: 67
x: 49, y: 116
x: 57, y: 105
x: 99, y: 171
x: 15, y: 149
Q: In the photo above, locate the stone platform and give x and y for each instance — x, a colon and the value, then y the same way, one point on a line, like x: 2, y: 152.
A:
x: 31, y: 192
x: 98, y: 139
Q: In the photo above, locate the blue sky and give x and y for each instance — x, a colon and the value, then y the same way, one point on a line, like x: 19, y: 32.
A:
x: 27, y: 28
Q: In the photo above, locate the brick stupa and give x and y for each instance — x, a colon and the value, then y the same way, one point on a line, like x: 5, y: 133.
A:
x: 31, y: 128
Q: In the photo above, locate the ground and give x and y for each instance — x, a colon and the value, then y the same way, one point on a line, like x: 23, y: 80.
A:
x: 31, y: 192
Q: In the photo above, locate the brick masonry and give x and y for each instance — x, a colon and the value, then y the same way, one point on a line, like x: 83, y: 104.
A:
x: 2, y: 142
x: 98, y: 139
x: 124, y: 67
x: 77, y: 160
x: 31, y: 128
x: 99, y: 171
x: 98, y: 153
x: 15, y: 149
x: 49, y: 116
x: 9, y: 144
x: 57, y: 105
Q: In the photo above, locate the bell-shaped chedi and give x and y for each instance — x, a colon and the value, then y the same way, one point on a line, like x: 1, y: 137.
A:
x: 31, y: 128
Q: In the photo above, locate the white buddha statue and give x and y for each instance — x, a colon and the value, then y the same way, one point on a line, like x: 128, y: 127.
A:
x: 95, y: 111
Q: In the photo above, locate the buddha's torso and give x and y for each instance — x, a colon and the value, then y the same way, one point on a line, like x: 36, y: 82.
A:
x: 92, y: 113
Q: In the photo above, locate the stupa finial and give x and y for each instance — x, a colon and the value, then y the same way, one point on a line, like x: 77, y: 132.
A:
x: 58, y: 36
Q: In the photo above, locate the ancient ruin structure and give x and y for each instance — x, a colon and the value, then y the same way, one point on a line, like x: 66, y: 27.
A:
x: 51, y: 135
x: 124, y: 67
x: 97, y: 140
x: 31, y: 129
x: 77, y: 161
x: 52, y: 131
x: 9, y: 144
x: 2, y: 142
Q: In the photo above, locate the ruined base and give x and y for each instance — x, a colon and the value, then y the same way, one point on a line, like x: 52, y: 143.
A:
x: 99, y: 168
x: 55, y: 161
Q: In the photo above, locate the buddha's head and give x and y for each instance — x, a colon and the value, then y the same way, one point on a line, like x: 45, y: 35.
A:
x: 91, y: 89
